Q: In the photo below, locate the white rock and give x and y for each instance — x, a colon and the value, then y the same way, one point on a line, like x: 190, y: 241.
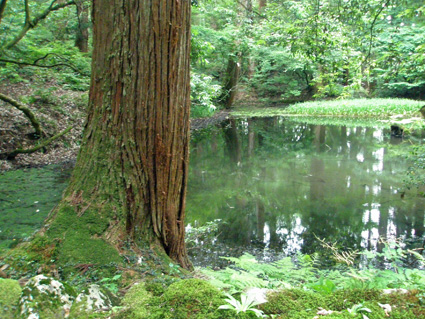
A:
x: 258, y: 294
x: 44, y: 292
x: 95, y: 299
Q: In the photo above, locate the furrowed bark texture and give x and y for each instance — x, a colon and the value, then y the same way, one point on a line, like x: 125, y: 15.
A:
x: 134, y: 156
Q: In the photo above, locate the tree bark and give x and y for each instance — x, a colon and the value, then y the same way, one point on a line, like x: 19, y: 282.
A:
x: 131, y: 172
x: 82, y: 32
x: 231, y: 80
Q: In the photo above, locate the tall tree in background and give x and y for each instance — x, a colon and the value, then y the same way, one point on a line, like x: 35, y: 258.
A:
x: 82, y: 32
x: 129, y: 184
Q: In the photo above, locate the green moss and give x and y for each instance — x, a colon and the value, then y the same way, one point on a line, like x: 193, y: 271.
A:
x: 185, y: 299
x: 190, y: 298
x: 77, y: 236
x: 342, y: 299
x: 10, y: 291
x: 136, y: 302
x: 288, y: 302
x: 301, y: 304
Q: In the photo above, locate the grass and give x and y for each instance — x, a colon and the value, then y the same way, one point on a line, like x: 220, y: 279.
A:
x: 357, y: 108
x: 350, y: 113
x: 365, y: 108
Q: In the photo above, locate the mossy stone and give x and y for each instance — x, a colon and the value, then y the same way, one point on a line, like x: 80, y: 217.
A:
x: 45, y: 297
x: 93, y: 300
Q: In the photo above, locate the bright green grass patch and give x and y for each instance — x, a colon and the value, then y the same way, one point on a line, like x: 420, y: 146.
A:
x: 358, y: 108
x: 375, y: 108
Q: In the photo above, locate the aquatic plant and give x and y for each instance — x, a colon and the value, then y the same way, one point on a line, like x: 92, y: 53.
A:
x: 376, y: 108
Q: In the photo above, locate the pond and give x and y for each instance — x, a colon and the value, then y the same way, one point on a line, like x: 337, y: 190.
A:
x: 273, y: 184
x: 277, y: 184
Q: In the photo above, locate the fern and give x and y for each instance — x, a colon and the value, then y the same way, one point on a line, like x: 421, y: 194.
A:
x: 301, y: 271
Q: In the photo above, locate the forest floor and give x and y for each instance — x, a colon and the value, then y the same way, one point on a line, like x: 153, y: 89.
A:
x: 57, y: 109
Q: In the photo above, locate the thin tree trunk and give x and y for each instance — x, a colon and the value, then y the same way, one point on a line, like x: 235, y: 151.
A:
x: 2, y: 7
x: 231, y: 80
x: 82, y: 33
x: 262, y: 5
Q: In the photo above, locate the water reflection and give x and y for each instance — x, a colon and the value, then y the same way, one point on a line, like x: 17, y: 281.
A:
x: 277, y: 184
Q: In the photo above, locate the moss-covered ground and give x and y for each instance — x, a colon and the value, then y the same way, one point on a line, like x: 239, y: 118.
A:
x: 197, y: 299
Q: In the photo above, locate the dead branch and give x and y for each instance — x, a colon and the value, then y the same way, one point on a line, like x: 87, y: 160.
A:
x: 12, y: 155
x: 42, y: 65
x: 28, y: 113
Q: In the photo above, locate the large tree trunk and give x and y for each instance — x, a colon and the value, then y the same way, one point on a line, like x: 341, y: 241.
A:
x: 82, y: 33
x: 129, y: 183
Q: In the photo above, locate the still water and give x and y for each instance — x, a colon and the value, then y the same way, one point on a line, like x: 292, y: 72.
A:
x: 277, y: 184
x: 274, y: 185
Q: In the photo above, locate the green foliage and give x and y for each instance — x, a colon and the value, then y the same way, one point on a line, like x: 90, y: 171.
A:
x: 203, y: 95
x: 302, y: 272
x: 111, y: 283
x: 324, y: 286
x: 246, y: 305
x: 359, y: 309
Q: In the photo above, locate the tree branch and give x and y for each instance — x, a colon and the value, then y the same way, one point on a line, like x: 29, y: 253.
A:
x: 27, y: 13
x: 250, y: 9
x: 32, y: 23
x: 12, y: 155
x: 41, y: 65
x: 372, y: 26
x: 28, y: 113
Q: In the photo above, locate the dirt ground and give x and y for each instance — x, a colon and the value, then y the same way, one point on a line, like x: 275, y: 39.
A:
x: 57, y: 109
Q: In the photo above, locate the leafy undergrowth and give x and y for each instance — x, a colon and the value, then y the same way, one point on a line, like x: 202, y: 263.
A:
x: 293, y: 287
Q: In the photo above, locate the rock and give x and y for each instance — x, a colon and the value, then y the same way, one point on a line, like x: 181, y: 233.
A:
x: 94, y: 299
x: 258, y: 294
x: 395, y: 290
x: 10, y: 292
x: 44, y: 297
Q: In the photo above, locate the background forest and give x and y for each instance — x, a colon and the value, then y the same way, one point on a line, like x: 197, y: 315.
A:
x: 265, y: 52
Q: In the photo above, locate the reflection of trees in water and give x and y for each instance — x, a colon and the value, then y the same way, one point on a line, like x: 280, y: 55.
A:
x: 321, y: 177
